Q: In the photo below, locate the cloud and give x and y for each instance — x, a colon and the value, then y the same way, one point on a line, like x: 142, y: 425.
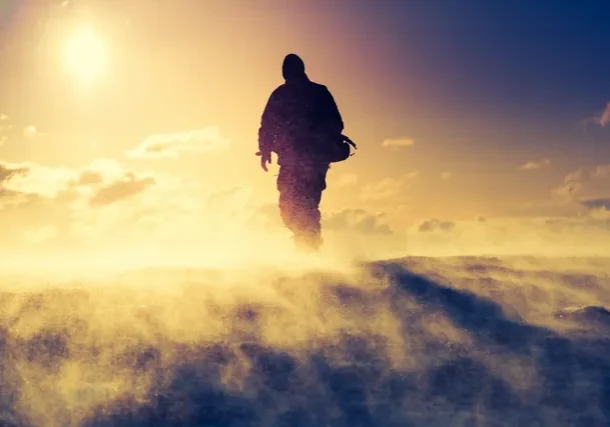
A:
x: 605, y: 117
x: 536, y: 165
x: 104, y: 206
x: 388, y: 188
x: 347, y: 179
x: 398, y: 142
x: 173, y: 144
x: 34, y: 179
x: 436, y: 225
x: 446, y: 175
x: 102, y: 182
x: 129, y: 186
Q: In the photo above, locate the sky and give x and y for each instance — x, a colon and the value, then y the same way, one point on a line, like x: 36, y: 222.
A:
x: 132, y: 125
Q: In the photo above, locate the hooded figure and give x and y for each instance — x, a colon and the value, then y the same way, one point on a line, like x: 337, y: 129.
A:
x: 297, y: 122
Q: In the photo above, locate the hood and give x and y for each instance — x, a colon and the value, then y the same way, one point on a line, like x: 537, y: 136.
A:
x: 293, y: 68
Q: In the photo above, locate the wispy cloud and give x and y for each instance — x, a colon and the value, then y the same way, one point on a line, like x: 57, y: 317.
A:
x: 398, y: 142
x: 172, y: 144
x: 536, y: 165
x: 446, y: 175
x: 602, y: 119
x: 605, y: 117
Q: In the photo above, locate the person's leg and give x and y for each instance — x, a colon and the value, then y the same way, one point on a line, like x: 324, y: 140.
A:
x: 300, y: 195
x: 287, y: 198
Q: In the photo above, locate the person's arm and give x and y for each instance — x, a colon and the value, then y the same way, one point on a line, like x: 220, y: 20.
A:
x: 269, y: 125
x: 267, y: 131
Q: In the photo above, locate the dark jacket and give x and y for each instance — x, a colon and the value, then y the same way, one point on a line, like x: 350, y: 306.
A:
x: 297, y: 116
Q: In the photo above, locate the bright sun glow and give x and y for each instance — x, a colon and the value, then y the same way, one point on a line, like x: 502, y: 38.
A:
x: 85, y: 54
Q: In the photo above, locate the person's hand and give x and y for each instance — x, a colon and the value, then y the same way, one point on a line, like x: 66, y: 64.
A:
x: 265, y: 158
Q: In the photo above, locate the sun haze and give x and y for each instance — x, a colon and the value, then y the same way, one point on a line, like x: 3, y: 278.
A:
x: 85, y: 54
x: 146, y: 117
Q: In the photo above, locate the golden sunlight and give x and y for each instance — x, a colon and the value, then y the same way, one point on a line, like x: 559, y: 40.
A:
x: 85, y: 54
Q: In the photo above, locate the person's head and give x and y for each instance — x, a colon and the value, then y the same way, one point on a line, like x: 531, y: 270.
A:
x: 293, y: 67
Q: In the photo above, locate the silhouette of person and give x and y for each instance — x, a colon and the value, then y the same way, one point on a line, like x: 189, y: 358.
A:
x: 297, y: 122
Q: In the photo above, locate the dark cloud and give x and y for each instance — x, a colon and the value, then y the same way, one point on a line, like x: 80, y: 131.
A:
x: 603, y: 202
x: 435, y: 224
x: 8, y: 171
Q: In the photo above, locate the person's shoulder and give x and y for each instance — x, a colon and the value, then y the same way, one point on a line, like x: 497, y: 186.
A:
x: 281, y: 88
x: 277, y: 93
x: 319, y: 86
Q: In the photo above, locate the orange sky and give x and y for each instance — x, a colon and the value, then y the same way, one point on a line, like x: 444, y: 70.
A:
x: 194, y: 77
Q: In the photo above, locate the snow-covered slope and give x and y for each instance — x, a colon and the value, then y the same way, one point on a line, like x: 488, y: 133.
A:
x: 409, y: 342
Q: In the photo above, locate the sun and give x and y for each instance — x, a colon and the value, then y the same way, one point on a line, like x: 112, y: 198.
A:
x: 85, y: 54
